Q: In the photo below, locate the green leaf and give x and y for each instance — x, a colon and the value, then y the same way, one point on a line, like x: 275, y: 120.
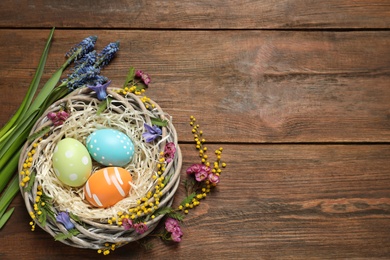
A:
x: 4, y: 218
x: 8, y: 171
x: 48, y: 88
x: 9, y: 193
x: 176, y: 215
x: 31, y: 90
x: 50, y: 214
x: 74, y: 217
x: 40, y: 133
x: 189, y: 185
x: 30, y: 182
x: 63, y: 236
x: 42, y: 218
x: 130, y: 76
x: 16, y: 140
x: 188, y: 199
x: 74, y: 231
x: 56, y: 94
x: 103, y: 105
x: 163, y: 211
x: 158, y: 121
x: 166, y: 180
x: 4, y: 208
x: 44, y: 93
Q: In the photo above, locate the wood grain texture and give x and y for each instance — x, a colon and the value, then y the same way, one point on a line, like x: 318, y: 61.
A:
x: 247, y: 86
x: 297, y: 93
x: 273, y: 202
x: 188, y: 14
x: 202, y: 14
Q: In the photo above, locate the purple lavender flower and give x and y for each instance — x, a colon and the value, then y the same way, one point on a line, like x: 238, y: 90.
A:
x: 107, y: 54
x: 81, y: 76
x: 101, y: 90
x: 152, y: 132
x: 88, y: 64
x: 64, y: 219
x: 80, y: 49
x: 140, y: 228
x: 88, y: 59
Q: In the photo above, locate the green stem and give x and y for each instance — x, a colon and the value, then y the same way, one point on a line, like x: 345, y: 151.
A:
x: 5, y: 216
x: 9, y: 170
x: 31, y: 90
x: 6, y: 198
x: 46, y: 90
x: 16, y: 141
x: 4, y: 137
x: 57, y: 93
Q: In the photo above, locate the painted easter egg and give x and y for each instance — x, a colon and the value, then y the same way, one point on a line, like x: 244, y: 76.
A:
x: 110, y: 147
x: 71, y: 162
x: 107, y: 186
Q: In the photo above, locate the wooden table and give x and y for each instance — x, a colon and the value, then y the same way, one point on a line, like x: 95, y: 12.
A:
x: 296, y: 92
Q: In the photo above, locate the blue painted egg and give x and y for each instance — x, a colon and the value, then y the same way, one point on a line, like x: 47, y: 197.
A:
x: 110, y: 147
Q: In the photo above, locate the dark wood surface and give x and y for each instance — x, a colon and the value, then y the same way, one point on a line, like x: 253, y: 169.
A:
x: 296, y: 92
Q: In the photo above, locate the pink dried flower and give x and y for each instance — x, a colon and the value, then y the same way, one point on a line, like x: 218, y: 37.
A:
x: 201, y: 176
x: 58, y: 118
x: 213, y: 178
x: 170, y: 224
x: 200, y: 171
x: 194, y: 168
x: 62, y: 115
x: 139, y: 73
x: 169, y: 151
x: 144, y: 76
x: 177, y: 234
x: 127, y: 223
x: 51, y: 115
x: 173, y: 227
x: 140, y: 228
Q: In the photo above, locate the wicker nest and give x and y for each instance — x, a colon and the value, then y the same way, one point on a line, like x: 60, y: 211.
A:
x: 98, y: 226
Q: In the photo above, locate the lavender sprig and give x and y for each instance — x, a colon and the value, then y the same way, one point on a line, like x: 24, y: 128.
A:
x: 107, y: 54
x: 81, y: 76
x: 82, y: 48
x: 87, y: 68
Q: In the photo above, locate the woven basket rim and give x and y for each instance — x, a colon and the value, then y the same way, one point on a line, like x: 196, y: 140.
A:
x: 95, y: 234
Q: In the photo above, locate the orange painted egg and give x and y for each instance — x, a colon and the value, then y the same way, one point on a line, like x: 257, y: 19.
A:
x: 107, y: 186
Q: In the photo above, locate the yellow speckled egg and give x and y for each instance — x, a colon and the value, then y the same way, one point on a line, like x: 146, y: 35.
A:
x: 71, y: 162
x: 107, y: 186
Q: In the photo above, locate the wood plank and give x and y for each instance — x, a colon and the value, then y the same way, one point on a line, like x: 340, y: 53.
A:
x: 245, y: 86
x: 274, y: 201
x: 187, y: 14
